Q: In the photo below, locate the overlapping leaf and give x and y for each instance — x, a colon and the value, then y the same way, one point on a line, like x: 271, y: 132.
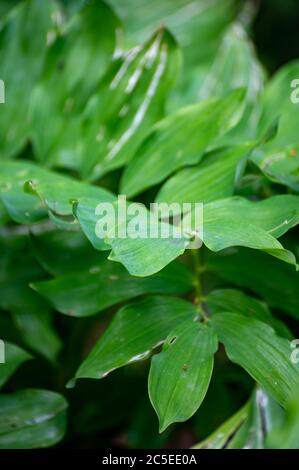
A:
x: 135, y: 330
x: 127, y: 103
x: 256, y: 347
x: 275, y: 281
x: 105, y: 284
x: 180, y: 139
x: 213, y: 178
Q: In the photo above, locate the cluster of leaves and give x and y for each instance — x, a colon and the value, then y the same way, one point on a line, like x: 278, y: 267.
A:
x: 102, y: 100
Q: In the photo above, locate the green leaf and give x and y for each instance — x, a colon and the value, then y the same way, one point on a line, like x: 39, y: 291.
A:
x: 236, y: 65
x: 255, y: 346
x: 65, y: 252
x: 279, y: 158
x: 285, y: 434
x: 248, y: 428
x: 233, y: 300
x: 213, y: 178
x: 106, y: 284
x: 275, y: 281
x: 251, y: 224
x: 171, y: 143
x: 14, y: 356
x: 31, y: 419
x: 143, y: 255
x: 192, y: 23
x: 128, y: 101
x: 60, y: 96
x: 180, y: 375
x: 134, y: 332
x: 54, y: 190
x: 222, y: 436
x: 21, y: 58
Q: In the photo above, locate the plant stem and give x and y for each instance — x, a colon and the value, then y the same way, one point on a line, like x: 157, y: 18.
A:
x: 197, y: 283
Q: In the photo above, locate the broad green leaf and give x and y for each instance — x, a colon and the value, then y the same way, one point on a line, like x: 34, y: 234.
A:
x: 134, y: 331
x: 21, y: 58
x: 154, y: 247
x: 106, y: 284
x: 251, y: 224
x: 60, y: 96
x: 278, y: 159
x: 31, y: 419
x: 192, y: 23
x: 255, y: 346
x: 233, y: 300
x: 14, y: 356
x: 128, y: 101
x: 180, y: 375
x: 54, y: 190
x: 273, y: 280
x: 180, y: 139
x: 213, y: 178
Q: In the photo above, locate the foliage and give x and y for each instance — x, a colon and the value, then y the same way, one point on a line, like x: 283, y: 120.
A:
x: 161, y: 101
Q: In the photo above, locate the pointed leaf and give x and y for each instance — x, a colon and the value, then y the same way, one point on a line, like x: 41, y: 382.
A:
x: 134, y: 331
x: 180, y: 375
x: 255, y: 346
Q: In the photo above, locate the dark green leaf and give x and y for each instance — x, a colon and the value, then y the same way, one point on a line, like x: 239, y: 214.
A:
x: 31, y: 418
x: 13, y: 358
x: 106, y: 284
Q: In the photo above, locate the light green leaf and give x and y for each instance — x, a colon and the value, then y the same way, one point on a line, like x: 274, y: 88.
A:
x: 255, y: 346
x: 14, y: 356
x: 134, y: 331
x: 31, y: 419
x: 21, y: 58
x: 156, y: 245
x: 237, y: 221
x: 58, y: 100
x: 128, y: 101
x: 180, y: 375
x: 192, y: 23
x: 213, y: 178
x: 106, y: 284
x: 54, y: 190
x: 180, y: 139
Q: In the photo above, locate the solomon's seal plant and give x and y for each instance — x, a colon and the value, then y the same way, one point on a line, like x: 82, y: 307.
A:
x: 154, y: 102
